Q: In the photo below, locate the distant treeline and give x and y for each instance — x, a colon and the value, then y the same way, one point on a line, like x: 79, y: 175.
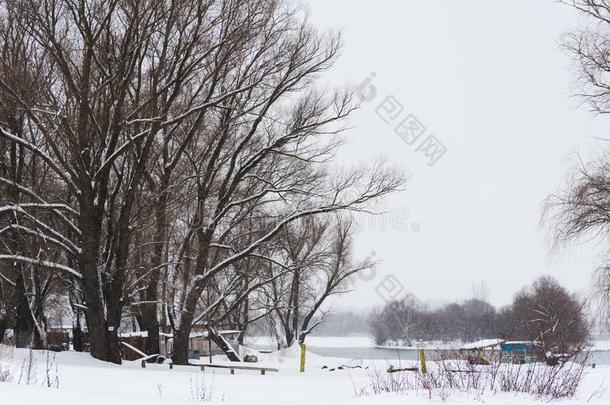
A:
x: 544, y: 311
x: 344, y: 323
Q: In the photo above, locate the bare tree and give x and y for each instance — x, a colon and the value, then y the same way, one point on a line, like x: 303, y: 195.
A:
x: 581, y: 208
x: 266, y: 150
x: 548, y: 314
x: 174, y: 141
x: 396, y: 321
x: 318, y: 250
x: 25, y: 284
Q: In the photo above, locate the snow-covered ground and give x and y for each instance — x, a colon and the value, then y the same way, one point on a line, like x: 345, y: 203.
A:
x: 86, y: 381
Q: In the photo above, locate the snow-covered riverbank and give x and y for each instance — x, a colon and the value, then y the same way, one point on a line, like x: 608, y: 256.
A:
x: 84, y: 380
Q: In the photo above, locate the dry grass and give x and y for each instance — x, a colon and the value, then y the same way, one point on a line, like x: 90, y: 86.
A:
x: 6, y: 355
x: 448, y: 376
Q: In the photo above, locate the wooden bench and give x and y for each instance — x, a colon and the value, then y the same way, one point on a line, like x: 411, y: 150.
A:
x: 239, y: 367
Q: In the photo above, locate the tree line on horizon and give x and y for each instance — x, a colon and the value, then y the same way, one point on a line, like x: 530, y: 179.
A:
x: 544, y: 312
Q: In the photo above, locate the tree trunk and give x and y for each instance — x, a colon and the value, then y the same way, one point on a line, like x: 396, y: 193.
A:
x: 3, y: 325
x: 222, y: 343
x: 246, y: 320
x: 150, y: 310
x: 40, y: 321
x: 181, y: 344
x: 291, y: 337
x: 96, y: 321
x: 150, y: 323
x: 24, y: 325
x: 181, y: 336
x: 96, y: 325
x: 77, y: 339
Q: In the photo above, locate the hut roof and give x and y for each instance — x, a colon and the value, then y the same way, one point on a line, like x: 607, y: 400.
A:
x: 482, y: 344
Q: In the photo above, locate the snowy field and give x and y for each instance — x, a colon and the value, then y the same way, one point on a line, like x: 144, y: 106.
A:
x: 80, y: 379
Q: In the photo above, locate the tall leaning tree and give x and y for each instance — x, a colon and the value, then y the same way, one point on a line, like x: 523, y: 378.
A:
x: 267, y: 152
x: 582, y: 208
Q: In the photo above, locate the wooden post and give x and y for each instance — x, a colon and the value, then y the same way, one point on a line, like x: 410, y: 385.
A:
x: 303, y: 349
x: 422, y: 360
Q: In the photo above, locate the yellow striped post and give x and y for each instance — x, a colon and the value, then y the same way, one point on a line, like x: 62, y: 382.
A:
x: 422, y: 360
x: 302, y: 357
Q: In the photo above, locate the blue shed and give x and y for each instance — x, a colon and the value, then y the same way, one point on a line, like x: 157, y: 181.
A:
x: 520, y: 352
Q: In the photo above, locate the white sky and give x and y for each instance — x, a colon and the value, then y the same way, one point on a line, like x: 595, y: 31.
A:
x: 490, y: 80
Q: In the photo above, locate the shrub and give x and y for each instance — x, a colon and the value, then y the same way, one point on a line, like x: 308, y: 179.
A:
x: 448, y: 375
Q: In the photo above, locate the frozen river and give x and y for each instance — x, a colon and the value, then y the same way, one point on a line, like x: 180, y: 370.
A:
x: 601, y: 357
x: 362, y: 347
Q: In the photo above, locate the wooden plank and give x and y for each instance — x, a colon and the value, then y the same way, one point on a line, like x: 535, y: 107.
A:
x: 398, y: 370
x: 135, y: 349
x: 171, y: 365
x: 238, y: 367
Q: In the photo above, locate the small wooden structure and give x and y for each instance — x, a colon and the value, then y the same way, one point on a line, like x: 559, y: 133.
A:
x: 128, y: 345
x: 489, y: 351
x: 198, y: 341
x: 198, y: 344
x: 58, y: 340
x: 239, y: 367
x: 483, y: 352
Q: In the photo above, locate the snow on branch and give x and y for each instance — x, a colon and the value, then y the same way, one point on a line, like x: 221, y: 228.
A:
x: 300, y: 214
x: 43, y: 263
x: 18, y: 209
x: 61, y: 173
x: 32, y: 194
x: 54, y: 206
x: 106, y: 164
x: 40, y: 235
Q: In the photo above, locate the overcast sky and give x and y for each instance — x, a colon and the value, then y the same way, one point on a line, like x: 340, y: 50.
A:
x: 489, y: 80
